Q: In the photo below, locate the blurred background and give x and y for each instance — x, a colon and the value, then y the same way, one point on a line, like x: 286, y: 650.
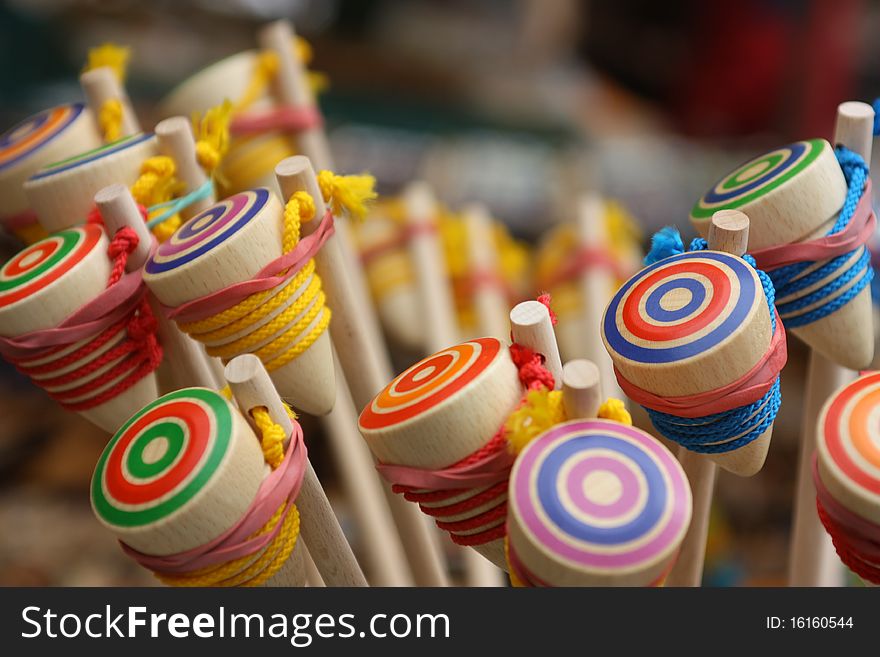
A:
x: 514, y: 103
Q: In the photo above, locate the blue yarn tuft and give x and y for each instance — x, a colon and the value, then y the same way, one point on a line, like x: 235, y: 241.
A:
x: 665, y: 243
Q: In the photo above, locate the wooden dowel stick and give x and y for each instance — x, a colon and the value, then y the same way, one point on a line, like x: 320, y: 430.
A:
x: 489, y: 300
x: 293, y: 89
x: 532, y: 327
x: 701, y: 472
x: 596, y: 285
x: 813, y: 561
x: 100, y: 85
x: 432, y: 282
x: 366, y: 368
x: 252, y: 387
x: 441, y: 325
x: 176, y: 141
x: 184, y: 363
x: 368, y: 373
x: 729, y: 232
x: 581, y: 389
x: 313, y: 577
x: 384, y: 553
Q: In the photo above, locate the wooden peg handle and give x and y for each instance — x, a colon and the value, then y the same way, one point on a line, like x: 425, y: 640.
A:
x: 252, y: 387
x: 100, y: 85
x: 176, y: 141
x: 118, y: 209
x: 581, y: 389
x: 532, y: 327
x: 729, y: 232
x: 854, y: 128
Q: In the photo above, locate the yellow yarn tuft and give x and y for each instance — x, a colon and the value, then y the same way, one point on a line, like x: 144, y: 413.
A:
x: 542, y: 409
x: 158, y: 184
x: 614, y: 409
x: 350, y: 194
x: 248, y: 570
x: 109, y: 54
x: 211, y: 132
x: 110, y: 119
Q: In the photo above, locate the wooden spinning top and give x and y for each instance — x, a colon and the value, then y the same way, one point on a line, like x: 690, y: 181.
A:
x: 693, y: 323
x: 596, y: 503
x: 179, y: 473
x: 43, y: 285
x: 62, y: 194
x: 794, y: 194
x: 229, y: 243
x: 44, y: 138
x: 443, y: 409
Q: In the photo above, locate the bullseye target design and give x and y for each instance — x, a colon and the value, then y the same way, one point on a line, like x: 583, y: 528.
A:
x: 46, y: 261
x: 849, y: 444
x: 21, y: 141
x: 208, y: 229
x: 680, y: 307
x: 758, y: 177
x: 83, y: 159
x: 431, y: 381
x: 162, y: 457
x: 600, y: 495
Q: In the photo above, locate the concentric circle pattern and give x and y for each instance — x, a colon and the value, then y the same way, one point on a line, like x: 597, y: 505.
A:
x: 849, y: 447
x: 600, y: 496
x: 208, y: 229
x: 680, y: 307
x: 431, y: 381
x: 21, y: 141
x: 161, y: 458
x: 88, y: 157
x: 757, y: 177
x: 45, y: 261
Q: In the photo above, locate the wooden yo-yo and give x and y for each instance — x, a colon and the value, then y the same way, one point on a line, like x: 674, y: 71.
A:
x: 41, y: 287
x: 794, y: 194
x: 441, y: 411
x: 251, y: 157
x: 391, y: 279
x: 227, y: 244
x: 693, y: 323
x: 62, y: 194
x: 595, y: 503
x: 44, y: 138
x: 180, y: 474
x: 847, y: 474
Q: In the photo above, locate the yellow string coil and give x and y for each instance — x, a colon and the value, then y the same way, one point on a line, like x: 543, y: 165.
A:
x: 250, y: 570
x: 293, y: 330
